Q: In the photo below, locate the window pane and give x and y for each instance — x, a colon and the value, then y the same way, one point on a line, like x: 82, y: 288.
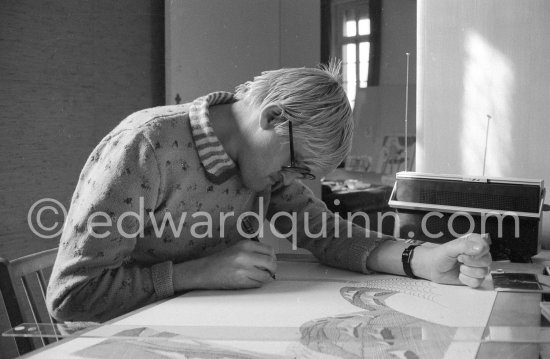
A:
x: 349, y: 62
x: 350, y: 28
x: 364, y: 52
x: 364, y: 26
x: 349, y: 70
x: 350, y: 23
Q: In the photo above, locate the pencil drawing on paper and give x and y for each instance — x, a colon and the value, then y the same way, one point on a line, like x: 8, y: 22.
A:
x: 377, y: 331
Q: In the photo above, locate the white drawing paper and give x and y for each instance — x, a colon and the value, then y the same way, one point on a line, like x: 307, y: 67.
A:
x: 310, y: 311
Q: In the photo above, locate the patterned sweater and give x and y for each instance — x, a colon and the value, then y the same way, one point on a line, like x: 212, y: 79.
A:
x: 166, y: 163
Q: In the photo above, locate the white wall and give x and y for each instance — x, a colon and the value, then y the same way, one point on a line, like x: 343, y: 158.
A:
x: 478, y: 59
x: 217, y: 44
x: 398, y: 36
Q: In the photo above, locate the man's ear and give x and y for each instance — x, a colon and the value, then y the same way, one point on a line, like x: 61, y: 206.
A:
x: 270, y: 116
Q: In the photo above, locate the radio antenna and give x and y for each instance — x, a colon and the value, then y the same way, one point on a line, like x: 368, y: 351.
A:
x: 486, y: 142
x: 407, y: 115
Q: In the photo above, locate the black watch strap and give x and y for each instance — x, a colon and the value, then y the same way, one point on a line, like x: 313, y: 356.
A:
x: 406, y: 258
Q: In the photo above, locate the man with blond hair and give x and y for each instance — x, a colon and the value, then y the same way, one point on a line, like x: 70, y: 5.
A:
x: 163, y: 203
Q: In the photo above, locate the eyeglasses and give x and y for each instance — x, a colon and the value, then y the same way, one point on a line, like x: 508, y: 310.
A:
x: 302, y: 172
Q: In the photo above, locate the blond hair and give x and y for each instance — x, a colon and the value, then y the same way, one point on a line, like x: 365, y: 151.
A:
x: 316, y: 103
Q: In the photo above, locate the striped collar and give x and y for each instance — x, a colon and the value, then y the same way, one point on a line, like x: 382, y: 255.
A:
x: 218, y: 165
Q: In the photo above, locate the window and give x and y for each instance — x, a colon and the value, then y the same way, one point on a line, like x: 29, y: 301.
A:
x: 354, y: 36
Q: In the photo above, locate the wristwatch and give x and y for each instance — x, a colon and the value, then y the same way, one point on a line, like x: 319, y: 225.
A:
x: 406, y: 258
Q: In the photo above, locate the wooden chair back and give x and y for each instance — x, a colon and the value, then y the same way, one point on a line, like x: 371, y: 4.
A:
x: 23, y: 283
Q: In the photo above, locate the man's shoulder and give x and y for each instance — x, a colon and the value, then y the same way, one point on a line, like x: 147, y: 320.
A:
x: 153, y: 117
x: 156, y: 125
x: 154, y: 122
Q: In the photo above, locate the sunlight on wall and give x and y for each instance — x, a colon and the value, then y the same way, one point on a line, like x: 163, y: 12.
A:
x: 488, y: 88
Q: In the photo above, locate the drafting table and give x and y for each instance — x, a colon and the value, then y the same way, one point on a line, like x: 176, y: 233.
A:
x: 311, y: 303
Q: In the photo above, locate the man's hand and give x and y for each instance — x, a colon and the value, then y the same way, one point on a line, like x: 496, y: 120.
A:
x: 465, y: 260
x: 247, y: 264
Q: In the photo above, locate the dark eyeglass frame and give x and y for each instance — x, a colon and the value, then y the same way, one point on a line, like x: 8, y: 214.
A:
x: 303, y: 172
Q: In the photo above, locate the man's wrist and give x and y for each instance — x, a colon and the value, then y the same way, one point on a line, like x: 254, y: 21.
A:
x: 187, y: 276
x: 420, y: 262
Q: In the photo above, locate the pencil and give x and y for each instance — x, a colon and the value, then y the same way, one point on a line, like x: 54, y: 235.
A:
x: 249, y: 229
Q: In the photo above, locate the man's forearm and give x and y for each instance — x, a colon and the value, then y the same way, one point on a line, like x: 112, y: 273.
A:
x: 386, y: 258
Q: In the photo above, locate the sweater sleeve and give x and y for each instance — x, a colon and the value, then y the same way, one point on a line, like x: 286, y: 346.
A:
x: 296, y: 213
x: 93, y: 278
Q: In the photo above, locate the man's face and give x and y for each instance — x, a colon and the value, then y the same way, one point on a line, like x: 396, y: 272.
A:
x: 264, y: 152
x: 260, y: 165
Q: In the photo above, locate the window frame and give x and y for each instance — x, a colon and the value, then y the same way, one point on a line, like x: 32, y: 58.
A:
x: 332, y: 15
